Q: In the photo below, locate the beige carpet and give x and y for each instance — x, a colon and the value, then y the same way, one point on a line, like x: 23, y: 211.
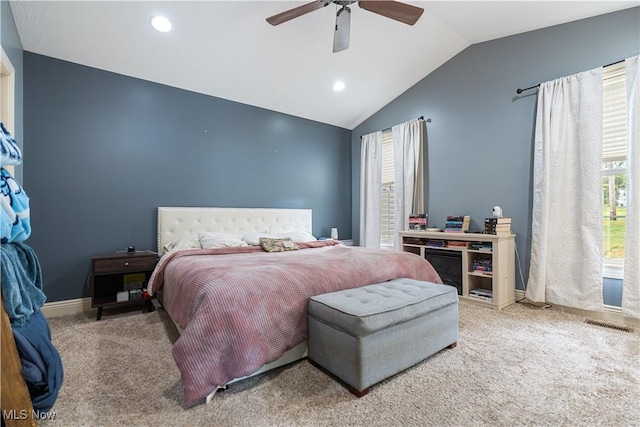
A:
x: 519, y: 366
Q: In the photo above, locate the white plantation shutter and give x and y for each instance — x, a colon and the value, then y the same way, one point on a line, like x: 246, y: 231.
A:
x: 388, y: 190
x: 614, y: 126
x: 387, y: 157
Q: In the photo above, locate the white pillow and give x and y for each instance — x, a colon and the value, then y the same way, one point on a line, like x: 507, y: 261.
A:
x: 298, y: 236
x: 212, y: 239
x: 253, y: 237
x: 190, y: 242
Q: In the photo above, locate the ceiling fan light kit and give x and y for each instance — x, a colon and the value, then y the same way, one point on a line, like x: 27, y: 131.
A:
x: 401, y: 12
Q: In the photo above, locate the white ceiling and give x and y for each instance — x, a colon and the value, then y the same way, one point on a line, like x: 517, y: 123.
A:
x: 228, y: 50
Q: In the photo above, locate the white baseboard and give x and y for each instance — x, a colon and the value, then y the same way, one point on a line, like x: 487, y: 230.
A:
x: 609, y: 313
x: 70, y: 306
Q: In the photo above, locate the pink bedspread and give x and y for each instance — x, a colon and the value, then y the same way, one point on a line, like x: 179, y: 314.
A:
x: 240, y: 308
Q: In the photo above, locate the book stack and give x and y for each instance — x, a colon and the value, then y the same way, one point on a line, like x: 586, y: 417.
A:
x: 456, y: 244
x: 414, y: 241
x: 457, y: 224
x: 417, y: 222
x: 481, y: 246
x: 434, y: 243
x: 484, y: 294
x: 482, y: 265
x: 499, y: 226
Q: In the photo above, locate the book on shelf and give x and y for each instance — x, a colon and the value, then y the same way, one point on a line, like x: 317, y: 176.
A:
x: 481, y: 246
x: 456, y: 244
x: 499, y: 220
x: 457, y: 223
x: 435, y: 243
x: 481, y: 293
x: 414, y: 240
x: 486, y: 271
x: 481, y: 297
x: 498, y: 226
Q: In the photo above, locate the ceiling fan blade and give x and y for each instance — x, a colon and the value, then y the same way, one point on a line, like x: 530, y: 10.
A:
x: 342, y: 30
x: 402, y: 12
x: 296, y: 11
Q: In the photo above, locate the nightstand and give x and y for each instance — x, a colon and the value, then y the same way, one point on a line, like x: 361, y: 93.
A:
x: 118, y: 279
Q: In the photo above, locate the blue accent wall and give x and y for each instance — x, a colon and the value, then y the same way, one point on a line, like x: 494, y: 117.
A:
x: 479, y: 144
x: 105, y: 150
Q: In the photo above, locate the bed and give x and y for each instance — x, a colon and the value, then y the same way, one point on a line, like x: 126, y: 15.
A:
x: 242, y: 310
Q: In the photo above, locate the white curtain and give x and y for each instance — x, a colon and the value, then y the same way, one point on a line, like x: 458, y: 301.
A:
x: 566, y: 245
x: 631, y: 280
x: 407, y: 153
x: 370, y: 189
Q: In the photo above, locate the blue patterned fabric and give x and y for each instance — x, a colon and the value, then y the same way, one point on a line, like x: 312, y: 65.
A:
x: 15, y: 225
x: 10, y: 153
x: 21, y: 279
x: 41, y: 362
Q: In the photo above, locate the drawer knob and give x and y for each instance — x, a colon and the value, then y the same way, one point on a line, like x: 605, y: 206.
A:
x: 126, y: 264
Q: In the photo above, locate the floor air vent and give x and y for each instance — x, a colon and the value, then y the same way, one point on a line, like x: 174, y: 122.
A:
x: 609, y: 325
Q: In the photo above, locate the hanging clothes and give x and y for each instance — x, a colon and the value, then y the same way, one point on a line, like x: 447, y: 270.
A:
x: 21, y: 282
x: 41, y: 363
x: 15, y: 225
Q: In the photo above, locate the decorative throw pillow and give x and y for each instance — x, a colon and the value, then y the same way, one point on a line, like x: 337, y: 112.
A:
x: 278, y: 245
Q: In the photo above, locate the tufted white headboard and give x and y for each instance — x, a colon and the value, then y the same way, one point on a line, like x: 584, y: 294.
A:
x: 178, y: 222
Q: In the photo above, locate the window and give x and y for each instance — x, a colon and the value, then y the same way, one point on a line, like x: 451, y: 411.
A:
x: 614, y: 175
x: 388, y: 200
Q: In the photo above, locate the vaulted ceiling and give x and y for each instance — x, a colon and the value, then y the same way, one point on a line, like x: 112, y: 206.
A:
x: 228, y: 50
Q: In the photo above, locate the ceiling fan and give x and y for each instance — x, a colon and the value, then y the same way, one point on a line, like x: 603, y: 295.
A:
x: 402, y: 12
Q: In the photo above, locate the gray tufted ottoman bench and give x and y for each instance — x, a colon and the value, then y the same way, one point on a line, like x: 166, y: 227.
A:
x: 364, y: 335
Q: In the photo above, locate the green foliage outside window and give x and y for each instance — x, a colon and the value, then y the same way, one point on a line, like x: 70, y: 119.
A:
x: 614, y: 232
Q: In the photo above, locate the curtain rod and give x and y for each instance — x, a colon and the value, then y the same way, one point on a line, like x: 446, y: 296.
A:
x: 519, y: 91
x: 419, y: 118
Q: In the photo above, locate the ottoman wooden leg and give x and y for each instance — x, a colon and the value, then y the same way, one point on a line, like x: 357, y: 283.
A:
x: 453, y: 345
x: 351, y: 389
x: 356, y: 392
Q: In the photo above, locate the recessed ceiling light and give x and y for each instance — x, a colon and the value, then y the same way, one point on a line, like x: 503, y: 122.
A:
x: 338, y: 86
x: 161, y: 24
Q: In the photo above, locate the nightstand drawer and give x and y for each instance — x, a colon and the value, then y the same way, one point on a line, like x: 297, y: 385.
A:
x: 124, y: 264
